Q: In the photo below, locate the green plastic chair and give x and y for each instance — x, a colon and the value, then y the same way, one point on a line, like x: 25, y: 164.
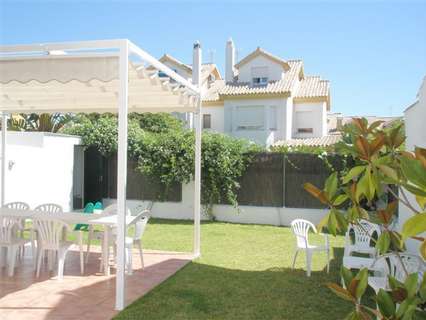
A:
x: 98, y: 206
x: 88, y: 209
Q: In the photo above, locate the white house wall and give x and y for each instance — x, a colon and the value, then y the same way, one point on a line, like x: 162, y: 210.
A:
x: 275, y: 70
x: 217, y: 117
x: 247, y: 214
x: 40, y: 168
x: 179, y: 70
x: 314, y: 115
x: 415, y: 117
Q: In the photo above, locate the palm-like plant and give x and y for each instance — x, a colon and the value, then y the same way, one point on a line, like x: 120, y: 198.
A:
x: 44, y: 122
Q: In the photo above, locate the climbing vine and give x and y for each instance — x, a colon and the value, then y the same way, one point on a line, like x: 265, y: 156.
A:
x: 164, y: 149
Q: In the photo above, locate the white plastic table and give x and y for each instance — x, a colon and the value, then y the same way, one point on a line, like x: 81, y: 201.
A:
x: 107, y: 221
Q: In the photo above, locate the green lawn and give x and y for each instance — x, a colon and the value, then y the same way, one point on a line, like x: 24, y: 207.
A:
x: 244, y: 273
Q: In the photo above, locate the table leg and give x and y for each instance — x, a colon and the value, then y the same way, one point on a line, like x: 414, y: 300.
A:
x: 106, y: 251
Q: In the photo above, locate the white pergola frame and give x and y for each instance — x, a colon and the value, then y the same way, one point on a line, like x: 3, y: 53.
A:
x: 123, y: 48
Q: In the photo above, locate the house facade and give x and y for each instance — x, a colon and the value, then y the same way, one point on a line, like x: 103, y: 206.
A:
x: 414, y: 117
x: 263, y: 98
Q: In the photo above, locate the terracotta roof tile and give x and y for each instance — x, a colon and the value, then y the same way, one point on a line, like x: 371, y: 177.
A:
x: 284, y: 85
x: 312, y: 142
x: 313, y: 86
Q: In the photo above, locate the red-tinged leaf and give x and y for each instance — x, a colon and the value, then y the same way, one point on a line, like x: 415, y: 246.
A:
x: 361, y: 124
x: 317, y: 193
x: 375, y: 125
x: 377, y: 143
x: 391, y: 207
x: 407, y: 154
x: 384, y: 217
x: 399, y: 294
x: 352, y: 287
x: 421, y: 155
x: 362, y: 147
x: 341, y: 292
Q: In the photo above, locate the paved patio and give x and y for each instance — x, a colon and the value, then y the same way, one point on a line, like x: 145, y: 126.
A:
x: 76, y: 297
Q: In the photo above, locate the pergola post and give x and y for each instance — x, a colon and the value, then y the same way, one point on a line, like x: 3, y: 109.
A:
x: 123, y: 94
x: 196, y: 80
x: 3, y: 157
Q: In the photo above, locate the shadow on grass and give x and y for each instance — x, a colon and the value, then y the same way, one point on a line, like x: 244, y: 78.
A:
x: 201, y: 291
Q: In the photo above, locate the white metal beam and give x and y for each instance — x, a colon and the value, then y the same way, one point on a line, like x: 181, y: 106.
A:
x: 3, y: 157
x: 160, y: 66
x: 120, y: 296
x: 196, y: 76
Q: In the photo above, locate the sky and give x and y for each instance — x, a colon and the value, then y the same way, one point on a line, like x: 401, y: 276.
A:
x: 373, y: 52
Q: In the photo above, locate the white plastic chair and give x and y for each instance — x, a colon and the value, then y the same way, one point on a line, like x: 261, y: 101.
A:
x: 17, y: 205
x: 97, y: 234
x: 140, y: 225
x: 364, y: 232
x: 49, y: 208
x: 301, y: 229
x: 9, y: 240
x: 390, y: 265
x: 51, y: 240
x: 44, y: 208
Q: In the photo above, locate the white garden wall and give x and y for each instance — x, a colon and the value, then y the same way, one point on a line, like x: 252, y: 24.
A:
x: 40, y: 168
x: 246, y: 214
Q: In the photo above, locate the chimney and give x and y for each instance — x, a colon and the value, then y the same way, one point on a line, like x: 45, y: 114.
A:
x: 230, y: 61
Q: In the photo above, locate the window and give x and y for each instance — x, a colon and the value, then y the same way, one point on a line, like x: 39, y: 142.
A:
x: 161, y: 74
x: 259, y: 76
x: 250, y: 118
x: 260, y: 81
x: 305, y: 130
x: 305, y: 122
x: 207, y: 121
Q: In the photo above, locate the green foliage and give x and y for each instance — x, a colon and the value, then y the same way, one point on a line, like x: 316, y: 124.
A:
x: 99, y: 132
x: 379, y: 162
x: 157, y: 122
x: 319, y: 150
x: 224, y: 160
x: 164, y: 150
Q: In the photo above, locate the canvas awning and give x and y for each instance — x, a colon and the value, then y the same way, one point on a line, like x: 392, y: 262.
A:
x: 69, y: 83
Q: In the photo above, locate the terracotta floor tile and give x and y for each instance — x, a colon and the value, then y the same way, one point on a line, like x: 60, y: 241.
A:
x: 78, y: 296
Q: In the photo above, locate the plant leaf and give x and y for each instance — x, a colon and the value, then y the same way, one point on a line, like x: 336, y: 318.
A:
x: 362, y: 277
x: 411, y: 284
x: 383, y: 243
x: 414, y: 171
x: 388, y: 172
x: 346, y: 275
x: 414, y: 225
x: 341, y: 292
x: 317, y: 193
x: 385, y: 303
x: 331, y: 185
x: 341, y: 198
x: 354, y: 172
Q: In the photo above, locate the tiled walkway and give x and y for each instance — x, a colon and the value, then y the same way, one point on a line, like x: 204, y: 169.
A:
x: 79, y: 297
